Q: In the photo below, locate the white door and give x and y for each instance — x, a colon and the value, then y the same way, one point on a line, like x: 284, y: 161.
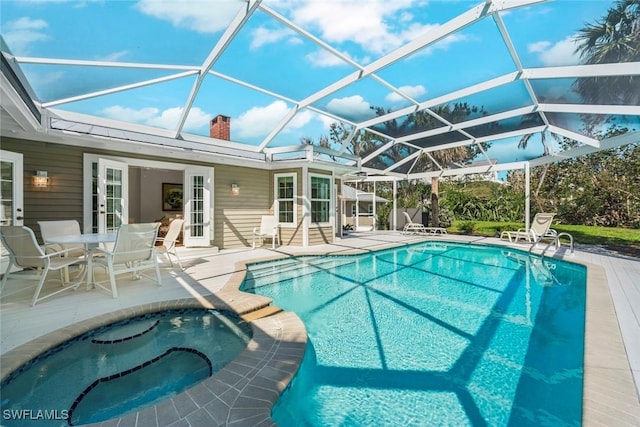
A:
x: 11, y: 183
x: 112, y: 195
x: 198, y: 188
x: 11, y: 206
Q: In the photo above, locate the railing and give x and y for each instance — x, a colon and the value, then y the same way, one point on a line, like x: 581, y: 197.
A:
x: 555, y: 241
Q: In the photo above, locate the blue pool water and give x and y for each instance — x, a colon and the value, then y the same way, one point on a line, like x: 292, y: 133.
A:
x: 432, y: 334
x: 123, y: 367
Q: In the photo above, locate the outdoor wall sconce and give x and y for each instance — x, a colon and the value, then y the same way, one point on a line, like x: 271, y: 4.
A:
x: 235, y: 188
x: 40, y: 179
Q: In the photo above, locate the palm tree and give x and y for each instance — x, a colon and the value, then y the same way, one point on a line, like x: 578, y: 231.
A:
x: 614, y: 38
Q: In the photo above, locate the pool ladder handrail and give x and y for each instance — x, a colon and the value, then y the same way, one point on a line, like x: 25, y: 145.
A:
x: 555, y: 241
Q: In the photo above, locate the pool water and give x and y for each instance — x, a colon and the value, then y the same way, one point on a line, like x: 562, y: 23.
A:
x: 432, y: 334
x: 123, y: 367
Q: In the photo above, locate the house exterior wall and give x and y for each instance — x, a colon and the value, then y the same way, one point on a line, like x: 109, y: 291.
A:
x: 235, y: 216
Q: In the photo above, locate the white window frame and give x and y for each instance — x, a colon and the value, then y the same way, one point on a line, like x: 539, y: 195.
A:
x: 277, y: 199
x: 330, y: 199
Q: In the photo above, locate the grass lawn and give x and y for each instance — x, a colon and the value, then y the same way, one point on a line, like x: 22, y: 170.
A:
x: 581, y: 233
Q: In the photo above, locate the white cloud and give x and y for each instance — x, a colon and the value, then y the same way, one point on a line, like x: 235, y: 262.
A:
x: 201, y: 16
x: 115, y: 56
x: 412, y: 91
x: 352, y: 106
x: 370, y: 24
x: 259, y: 121
x: 22, y: 33
x: 143, y: 115
x: 262, y: 36
x: 324, y: 58
x: 554, y: 54
x: 167, y: 119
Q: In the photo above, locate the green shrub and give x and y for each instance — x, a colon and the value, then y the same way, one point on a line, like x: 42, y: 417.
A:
x: 467, y: 227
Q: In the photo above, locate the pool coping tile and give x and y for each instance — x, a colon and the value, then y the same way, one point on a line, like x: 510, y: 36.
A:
x: 245, y: 390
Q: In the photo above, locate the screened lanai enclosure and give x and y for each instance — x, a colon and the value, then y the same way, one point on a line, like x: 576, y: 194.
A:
x: 391, y: 90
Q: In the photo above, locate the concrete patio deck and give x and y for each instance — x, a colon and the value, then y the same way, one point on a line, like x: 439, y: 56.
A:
x: 244, y: 392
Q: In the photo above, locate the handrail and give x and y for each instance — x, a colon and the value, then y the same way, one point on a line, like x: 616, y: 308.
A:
x: 556, y: 241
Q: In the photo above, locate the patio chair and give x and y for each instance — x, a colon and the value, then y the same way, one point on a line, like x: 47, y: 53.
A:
x: 412, y: 227
x: 269, y: 229
x: 133, y: 252
x: 539, y: 230
x: 50, y: 229
x: 25, y: 253
x: 170, y: 240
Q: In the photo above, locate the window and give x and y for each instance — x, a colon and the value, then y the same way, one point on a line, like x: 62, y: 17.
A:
x: 285, y: 191
x: 320, y: 199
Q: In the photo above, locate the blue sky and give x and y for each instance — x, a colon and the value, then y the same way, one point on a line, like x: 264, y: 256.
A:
x: 269, y: 55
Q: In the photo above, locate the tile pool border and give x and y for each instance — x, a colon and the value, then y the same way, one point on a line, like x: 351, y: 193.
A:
x: 241, y: 393
x: 244, y: 392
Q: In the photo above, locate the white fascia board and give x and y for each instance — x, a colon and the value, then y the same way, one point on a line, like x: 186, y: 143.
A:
x: 587, y: 70
x: 16, y: 108
x: 118, y: 89
x: 573, y: 135
x: 104, y: 64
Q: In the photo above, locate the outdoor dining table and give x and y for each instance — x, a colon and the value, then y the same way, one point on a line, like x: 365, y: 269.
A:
x: 90, y: 241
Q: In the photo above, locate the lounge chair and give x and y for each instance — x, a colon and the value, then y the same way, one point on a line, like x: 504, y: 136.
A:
x: 269, y: 229
x: 133, y: 251
x: 539, y: 230
x: 170, y: 240
x: 413, y: 228
x: 25, y: 253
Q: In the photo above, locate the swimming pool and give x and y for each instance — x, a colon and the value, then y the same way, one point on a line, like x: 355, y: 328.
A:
x: 122, y: 367
x: 432, y: 334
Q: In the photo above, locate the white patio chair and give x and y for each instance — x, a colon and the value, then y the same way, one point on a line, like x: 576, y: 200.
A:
x: 25, y: 253
x: 133, y: 252
x: 170, y: 240
x: 412, y: 227
x: 66, y: 227
x: 269, y: 229
x: 540, y: 229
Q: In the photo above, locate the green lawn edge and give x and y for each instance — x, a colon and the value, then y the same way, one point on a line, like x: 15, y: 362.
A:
x: 581, y: 233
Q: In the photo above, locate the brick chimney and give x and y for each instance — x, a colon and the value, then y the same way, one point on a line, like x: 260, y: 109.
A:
x: 220, y: 127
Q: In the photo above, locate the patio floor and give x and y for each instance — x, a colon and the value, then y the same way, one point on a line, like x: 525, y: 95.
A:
x: 612, y: 347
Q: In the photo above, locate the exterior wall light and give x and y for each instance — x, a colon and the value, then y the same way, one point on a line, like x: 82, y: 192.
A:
x: 235, y: 188
x: 40, y: 179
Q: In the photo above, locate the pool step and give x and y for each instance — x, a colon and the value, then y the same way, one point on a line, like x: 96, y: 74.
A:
x: 260, y: 313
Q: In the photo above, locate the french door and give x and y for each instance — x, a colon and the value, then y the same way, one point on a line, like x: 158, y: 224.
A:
x: 11, y: 191
x: 198, y: 182
x: 112, y: 192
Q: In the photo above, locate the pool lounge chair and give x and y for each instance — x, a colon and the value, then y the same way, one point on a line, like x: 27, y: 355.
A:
x: 539, y: 230
x: 416, y: 228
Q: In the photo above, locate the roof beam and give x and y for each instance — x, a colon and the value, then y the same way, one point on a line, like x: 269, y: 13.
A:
x: 587, y: 70
x: 232, y: 30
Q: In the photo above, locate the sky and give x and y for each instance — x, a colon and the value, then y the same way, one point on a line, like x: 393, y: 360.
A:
x: 271, y: 56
